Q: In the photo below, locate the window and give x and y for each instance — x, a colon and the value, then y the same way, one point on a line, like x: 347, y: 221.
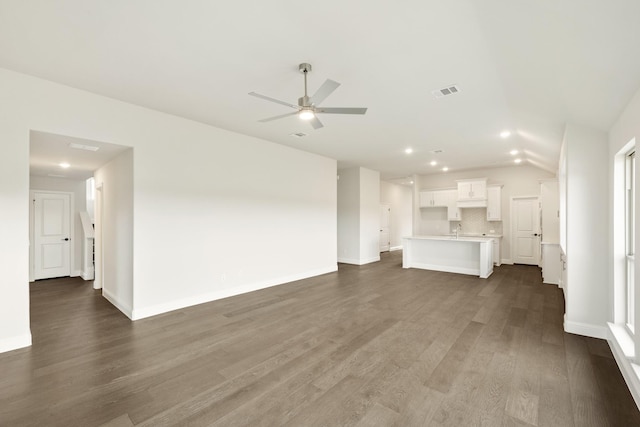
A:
x: 630, y: 174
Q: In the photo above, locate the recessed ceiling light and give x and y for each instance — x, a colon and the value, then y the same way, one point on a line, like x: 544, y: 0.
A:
x: 505, y: 134
x: 513, y: 152
x: 64, y: 165
x: 516, y: 161
x: 433, y: 163
x: 410, y: 182
x: 444, y: 169
x: 408, y: 150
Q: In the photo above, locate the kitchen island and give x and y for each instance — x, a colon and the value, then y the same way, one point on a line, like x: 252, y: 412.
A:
x: 464, y: 255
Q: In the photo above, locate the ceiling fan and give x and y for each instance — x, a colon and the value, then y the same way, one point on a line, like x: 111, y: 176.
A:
x: 307, y: 107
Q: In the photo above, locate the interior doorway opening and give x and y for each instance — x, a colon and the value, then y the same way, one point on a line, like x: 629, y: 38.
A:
x: 65, y: 174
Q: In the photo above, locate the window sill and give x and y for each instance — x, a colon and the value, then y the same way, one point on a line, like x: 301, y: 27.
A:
x: 623, y: 348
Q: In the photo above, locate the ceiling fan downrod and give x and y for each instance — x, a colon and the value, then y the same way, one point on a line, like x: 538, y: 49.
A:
x: 304, y: 68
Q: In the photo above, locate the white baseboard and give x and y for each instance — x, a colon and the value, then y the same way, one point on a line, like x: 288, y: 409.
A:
x: 618, y: 338
x: 15, y: 343
x: 124, y: 308
x: 154, y: 310
x: 355, y: 261
x: 395, y: 248
x: 586, y: 329
x: 88, y: 275
x: 506, y: 261
x: 75, y: 273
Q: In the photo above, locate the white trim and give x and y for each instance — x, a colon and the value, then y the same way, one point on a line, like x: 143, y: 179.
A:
x: 395, y: 248
x: 623, y: 348
x: 125, y: 309
x: 88, y: 275
x: 14, y: 343
x: 585, y: 329
x: 359, y: 261
x: 141, y: 313
x: 506, y: 261
x: 76, y: 273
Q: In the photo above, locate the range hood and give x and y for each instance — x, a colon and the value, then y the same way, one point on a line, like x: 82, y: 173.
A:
x: 472, y: 204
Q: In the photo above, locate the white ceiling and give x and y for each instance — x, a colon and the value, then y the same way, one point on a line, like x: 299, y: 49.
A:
x: 47, y: 151
x: 525, y: 65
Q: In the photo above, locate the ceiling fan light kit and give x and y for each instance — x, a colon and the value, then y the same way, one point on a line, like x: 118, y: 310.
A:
x: 308, y: 107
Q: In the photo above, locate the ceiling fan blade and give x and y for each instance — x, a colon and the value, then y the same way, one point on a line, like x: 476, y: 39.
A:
x: 331, y: 110
x: 325, y: 90
x: 316, y: 123
x: 278, y: 117
x: 277, y: 101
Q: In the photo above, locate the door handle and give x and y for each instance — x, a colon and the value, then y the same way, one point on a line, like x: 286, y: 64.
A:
x: 535, y: 234
x: 66, y: 239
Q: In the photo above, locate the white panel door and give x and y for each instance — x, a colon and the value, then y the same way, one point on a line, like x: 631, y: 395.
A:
x: 385, y: 213
x: 526, y: 231
x: 52, y: 222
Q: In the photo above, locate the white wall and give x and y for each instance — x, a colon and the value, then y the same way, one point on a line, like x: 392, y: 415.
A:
x: 348, y: 215
x: 433, y: 221
x: 358, y: 216
x: 115, y: 237
x: 14, y: 226
x: 369, y: 215
x: 587, y: 241
x: 521, y: 180
x: 399, y: 198
x: 216, y: 213
x: 80, y: 202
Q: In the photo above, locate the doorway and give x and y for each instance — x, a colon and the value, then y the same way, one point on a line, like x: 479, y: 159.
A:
x: 60, y: 164
x: 525, y: 225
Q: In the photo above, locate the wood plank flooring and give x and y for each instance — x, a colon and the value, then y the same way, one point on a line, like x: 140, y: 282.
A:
x: 374, y: 345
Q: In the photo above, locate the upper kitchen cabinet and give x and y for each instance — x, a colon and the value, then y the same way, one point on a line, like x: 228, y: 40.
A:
x: 472, y: 193
x: 494, y: 203
x: 434, y: 199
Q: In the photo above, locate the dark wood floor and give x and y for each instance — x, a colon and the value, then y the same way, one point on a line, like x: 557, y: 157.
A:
x: 370, y: 346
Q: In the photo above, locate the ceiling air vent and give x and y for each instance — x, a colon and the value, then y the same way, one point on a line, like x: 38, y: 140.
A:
x: 83, y: 147
x: 298, y: 135
x: 449, y: 90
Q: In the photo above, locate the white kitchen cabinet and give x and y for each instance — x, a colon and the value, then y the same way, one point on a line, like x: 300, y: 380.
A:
x: 453, y: 211
x: 494, y: 203
x: 472, y: 189
x: 434, y: 199
x: 551, y: 263
x: 497, y: 245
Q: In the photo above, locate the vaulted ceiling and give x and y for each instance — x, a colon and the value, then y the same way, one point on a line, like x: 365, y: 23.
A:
x: 528, y: 66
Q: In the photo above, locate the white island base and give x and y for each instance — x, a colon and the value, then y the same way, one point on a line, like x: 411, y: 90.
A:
x: 464, y: 255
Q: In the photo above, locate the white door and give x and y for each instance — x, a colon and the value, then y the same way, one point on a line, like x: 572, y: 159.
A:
x: 385, y: 213
x: 526, y: 231
x: 51, y: 227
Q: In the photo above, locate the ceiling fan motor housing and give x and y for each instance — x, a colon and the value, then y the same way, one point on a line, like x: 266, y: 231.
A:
x: 304, y: 67
x: 304, y: 101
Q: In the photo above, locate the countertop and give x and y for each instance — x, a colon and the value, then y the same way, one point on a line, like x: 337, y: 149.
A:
x: 449, y: 238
